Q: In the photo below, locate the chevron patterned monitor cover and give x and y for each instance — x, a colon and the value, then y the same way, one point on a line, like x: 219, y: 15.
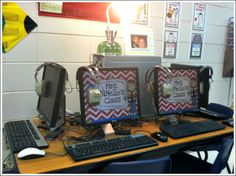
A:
x: 176, y: 92
x: 119, y: 95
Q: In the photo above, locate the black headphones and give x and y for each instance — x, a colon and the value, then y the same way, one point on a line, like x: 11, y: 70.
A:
x: 203, y: 84
x: 209, y: 69
x: 166, y: 88
x: 41, y: 86
x: 94, y: 94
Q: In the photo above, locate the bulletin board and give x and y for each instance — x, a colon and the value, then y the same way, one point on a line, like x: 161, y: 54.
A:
x: 83, y: 10
x: 120, y: 95
x: 184, y: 92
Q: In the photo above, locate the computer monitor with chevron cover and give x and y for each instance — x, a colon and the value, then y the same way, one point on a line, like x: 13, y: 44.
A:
x: 177, y: 92
x: 119, y: 92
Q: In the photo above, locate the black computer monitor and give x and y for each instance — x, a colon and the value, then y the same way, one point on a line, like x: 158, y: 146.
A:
x: 205, y: 77
x: 118, y: 91
x: 51, y: 106
x: 176, y: 92
x: 143, y: 63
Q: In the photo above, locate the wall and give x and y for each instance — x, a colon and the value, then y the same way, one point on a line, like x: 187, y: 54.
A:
x: 70, y: 42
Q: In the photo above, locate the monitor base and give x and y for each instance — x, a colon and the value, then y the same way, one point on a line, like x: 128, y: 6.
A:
x: 54, y: 134
x: 173, y: 119
x: 43, y: 125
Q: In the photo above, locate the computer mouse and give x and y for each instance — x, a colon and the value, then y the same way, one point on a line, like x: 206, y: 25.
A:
x: 160, y: 136
x: 30, y: 153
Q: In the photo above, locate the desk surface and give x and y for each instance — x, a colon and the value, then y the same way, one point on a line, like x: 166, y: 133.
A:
x: 53, y: 162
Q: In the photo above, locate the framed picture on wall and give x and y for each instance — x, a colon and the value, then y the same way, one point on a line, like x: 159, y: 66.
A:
x: 139, y: 41
x: 170, y: 44
x: 196, y: 46
x: 141, y: 13
x: 199, y: 16
x: 172, y: 14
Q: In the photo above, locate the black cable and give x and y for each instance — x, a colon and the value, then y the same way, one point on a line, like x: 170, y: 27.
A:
x: 142, y: 131
x: 58, y: 154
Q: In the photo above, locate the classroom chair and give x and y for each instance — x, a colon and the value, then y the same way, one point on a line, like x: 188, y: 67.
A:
x: 221, y: 109
x: 159, y: 165
x: 185, y: 163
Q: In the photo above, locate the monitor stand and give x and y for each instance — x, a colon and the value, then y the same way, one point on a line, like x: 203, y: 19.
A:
x: 172, y: 119
x: 59, y: 128
x: 53, y: 133
x: 108, y: 129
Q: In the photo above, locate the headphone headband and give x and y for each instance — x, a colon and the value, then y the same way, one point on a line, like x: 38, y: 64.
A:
x: 150, y: 71
x: 45, y: 64
x: 207, y: 67
x: 40, y: 88
x: 92, y: 70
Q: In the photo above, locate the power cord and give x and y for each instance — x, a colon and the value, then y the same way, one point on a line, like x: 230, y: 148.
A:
x: 94, y: 134
x: 59, y: 154
x: 142, y: 131
x: 74, y: 118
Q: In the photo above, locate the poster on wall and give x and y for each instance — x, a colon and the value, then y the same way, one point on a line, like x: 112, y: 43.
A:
x: 196, y: 46
x: 141, y: 13
x: 199, y: 17
x: 170, y: 44
x: 172, y: 14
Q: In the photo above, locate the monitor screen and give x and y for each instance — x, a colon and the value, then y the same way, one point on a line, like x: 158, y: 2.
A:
x: 51, y: 106
x: 119, y: 92
x: 143, y: 63
x: 205, y: 75
x: 177, y: 92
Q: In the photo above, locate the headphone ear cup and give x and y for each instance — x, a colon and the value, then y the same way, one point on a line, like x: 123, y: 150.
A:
x: 41, y: 88
x: 94, y: 96
x: 166, y: 90
x: 201, y: 88
x: 38, y: 88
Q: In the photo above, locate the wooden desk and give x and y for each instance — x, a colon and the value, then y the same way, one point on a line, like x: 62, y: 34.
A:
x: 51, y: 163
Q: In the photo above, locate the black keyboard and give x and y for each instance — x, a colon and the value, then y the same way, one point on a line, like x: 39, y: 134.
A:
x: 211, y: 114
x: 23, y: 134
x: 191, y: 128
x: 87, y: 150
